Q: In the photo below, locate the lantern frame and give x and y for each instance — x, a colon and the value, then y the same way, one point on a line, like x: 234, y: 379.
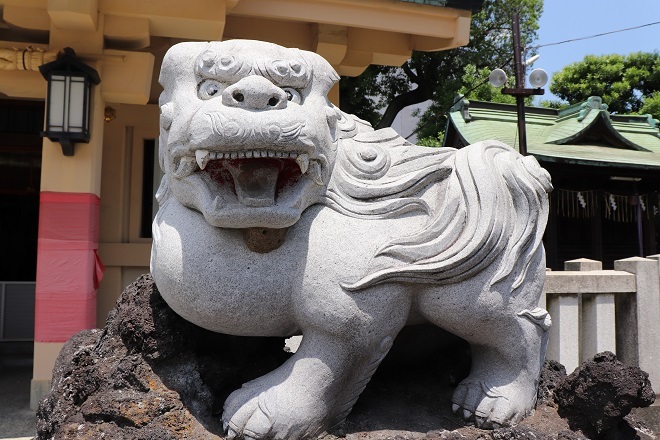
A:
x: 68, y: 79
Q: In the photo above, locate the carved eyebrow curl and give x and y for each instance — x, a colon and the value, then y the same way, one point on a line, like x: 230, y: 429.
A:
x: 293, y: 72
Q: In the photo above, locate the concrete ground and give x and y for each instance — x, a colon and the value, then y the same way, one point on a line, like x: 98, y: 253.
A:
x: 17, y: 420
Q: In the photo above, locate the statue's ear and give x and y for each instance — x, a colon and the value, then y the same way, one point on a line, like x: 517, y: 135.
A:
x: 179, y: 61
x: 325, y: 75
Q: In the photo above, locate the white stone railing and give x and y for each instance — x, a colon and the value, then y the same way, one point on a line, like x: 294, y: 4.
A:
x: 594, y: 310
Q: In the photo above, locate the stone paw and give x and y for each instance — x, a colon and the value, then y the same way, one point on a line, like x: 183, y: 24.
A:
x: 272, y: 414
x: 491, y: 407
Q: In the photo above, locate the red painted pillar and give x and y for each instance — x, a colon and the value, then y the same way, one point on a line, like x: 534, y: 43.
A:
x: 68, y: 267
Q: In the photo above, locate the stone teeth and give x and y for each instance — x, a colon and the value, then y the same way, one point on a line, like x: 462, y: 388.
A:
x: 203, y: 157
x: 315, y: 172
x: 303, y: 162
x: 185, y: 167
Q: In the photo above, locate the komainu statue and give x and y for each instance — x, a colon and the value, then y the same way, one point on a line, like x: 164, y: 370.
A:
x: 281, y: 215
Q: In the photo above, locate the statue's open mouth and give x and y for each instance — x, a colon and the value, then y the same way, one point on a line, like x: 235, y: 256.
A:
x: 256, y: 177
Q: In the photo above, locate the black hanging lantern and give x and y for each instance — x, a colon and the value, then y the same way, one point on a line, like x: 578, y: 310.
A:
x: 69, y: 97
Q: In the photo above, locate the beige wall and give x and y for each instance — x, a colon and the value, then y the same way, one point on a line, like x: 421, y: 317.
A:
x: 123, y: 252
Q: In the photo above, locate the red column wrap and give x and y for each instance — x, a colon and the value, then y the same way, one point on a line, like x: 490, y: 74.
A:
x: 68, y: 267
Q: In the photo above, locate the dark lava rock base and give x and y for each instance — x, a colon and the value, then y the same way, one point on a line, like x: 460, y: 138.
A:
x: 598, y: 395
x: 150, y: 375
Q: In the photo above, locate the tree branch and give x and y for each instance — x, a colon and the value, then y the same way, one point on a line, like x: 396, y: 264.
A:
x: 420, y: 94
x: 411, y: 75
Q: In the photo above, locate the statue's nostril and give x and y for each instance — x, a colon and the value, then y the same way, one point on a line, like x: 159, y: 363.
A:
x: 273, y: 101
x: 238, y: 96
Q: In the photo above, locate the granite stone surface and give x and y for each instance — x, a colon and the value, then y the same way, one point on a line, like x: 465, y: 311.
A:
x: 281, y: 215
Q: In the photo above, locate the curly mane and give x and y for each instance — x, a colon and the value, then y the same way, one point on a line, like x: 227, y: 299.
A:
x: 493, y: 208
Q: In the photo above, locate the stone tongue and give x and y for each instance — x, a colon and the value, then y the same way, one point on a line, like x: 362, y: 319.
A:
x: 255, y: 181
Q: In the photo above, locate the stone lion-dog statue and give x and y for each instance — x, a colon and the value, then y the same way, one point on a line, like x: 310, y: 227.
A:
x: 281, y: 215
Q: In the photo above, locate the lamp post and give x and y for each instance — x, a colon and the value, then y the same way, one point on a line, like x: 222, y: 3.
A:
x: 68, y: 103
x: 537, y: 78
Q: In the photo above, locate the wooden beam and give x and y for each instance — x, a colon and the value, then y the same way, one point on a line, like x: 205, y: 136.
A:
x: 74, y: 15
x: 130, y: 33
x: 406, y: 18
x: 128, y: 79
x: 26, y: 17
x: 193, y: 20
x: 284, y: 33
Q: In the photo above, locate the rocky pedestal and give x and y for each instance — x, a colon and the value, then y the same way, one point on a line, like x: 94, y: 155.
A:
x: 597, y: 396
x: 149, y: 374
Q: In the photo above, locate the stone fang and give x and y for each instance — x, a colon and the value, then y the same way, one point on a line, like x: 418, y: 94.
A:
x: 185, y: 167
x: 315, y: 172
x: 202, y: 157
x: 303, y: 162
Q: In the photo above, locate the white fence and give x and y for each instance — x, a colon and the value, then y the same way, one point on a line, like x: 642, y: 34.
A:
x: 594, y: 310
x: 16, y: 311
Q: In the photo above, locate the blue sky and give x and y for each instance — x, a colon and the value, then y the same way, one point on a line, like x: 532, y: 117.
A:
x: 564, y: 19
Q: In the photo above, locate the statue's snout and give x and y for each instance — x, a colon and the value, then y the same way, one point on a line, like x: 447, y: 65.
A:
x: 254, y: 93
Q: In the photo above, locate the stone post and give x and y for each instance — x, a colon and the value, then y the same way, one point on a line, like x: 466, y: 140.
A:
x: 563, y: 340
x: 597, y: 325
x: 638, y: 318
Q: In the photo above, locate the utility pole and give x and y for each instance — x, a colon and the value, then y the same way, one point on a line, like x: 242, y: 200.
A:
x: 519, y: 91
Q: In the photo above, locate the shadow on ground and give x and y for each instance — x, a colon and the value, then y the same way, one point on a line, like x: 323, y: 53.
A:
x: 16, y: 417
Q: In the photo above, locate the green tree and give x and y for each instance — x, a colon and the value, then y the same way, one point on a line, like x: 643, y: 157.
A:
x: 627, y: 83
x: 438, y: 76
x: 652, y: 105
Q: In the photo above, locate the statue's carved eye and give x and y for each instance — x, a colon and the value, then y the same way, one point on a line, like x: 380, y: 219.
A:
x: 292, y: 95
x: 209, y: 88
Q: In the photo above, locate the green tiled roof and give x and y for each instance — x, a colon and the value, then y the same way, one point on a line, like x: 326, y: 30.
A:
x: 585, y: 133
x: 472, y: 5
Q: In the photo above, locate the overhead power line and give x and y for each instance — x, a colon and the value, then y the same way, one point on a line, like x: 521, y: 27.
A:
x: 595, y: 35
x: 417, y: 130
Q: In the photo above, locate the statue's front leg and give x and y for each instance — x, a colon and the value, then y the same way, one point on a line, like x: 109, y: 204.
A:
x: 293, y: 401
x: 319, y: 384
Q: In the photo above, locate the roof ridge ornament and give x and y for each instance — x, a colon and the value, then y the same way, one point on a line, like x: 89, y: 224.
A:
x: 462, y: 104
x: 595, y: 103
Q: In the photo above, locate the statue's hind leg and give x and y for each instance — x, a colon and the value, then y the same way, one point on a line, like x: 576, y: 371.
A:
x: 507, y: 336
x: 342, y: 345
x: 502, y: 385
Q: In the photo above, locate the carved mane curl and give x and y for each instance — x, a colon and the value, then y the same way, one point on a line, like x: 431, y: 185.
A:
x: 381, y: 175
